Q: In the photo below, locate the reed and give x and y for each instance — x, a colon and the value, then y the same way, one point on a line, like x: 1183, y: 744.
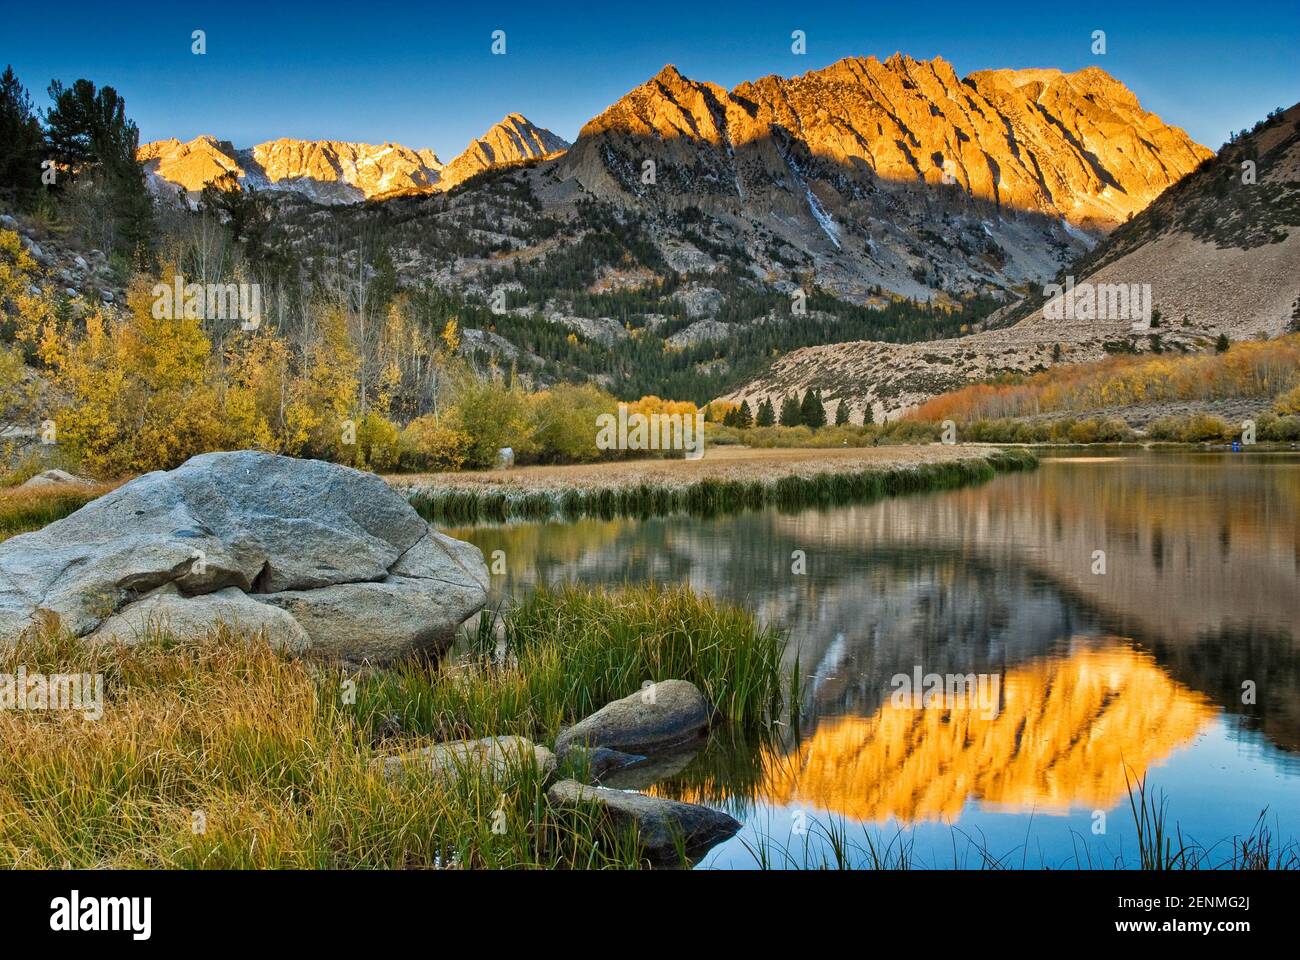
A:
x: 563, y: 653
x: 222, y: 753
x: 712, y: 495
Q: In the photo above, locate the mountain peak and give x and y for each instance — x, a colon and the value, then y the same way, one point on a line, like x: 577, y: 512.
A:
x: 1084, y: 149
x: 514, y: 140
x: 668, y: 74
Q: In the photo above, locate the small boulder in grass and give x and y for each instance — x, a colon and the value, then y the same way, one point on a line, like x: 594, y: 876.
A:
x: 496, y: 756
x: 601, y: 762
x: 660, y: 716
x: 663, y: 826
x: 55, y: 478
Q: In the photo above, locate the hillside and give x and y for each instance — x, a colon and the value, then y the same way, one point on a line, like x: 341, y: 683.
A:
x: 692, y: 233
x: 1220, y: 256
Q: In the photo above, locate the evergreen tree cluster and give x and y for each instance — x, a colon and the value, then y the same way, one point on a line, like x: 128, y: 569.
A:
x: 806, y: 411
x: 84, y: 153
x: 742, y: 416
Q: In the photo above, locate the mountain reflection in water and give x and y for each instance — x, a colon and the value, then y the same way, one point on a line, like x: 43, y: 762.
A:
x: 1134, y: 669
x: 1066, y: 730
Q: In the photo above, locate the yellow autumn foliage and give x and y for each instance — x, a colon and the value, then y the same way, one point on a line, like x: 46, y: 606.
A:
x: 1257, y: 368
x: 146, y: 388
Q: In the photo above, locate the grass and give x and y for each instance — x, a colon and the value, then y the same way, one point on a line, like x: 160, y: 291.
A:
x: 832, y: 844
x: 271, y: 757
x: 827, y: 845
x: 712, y: 495
x: 25, y: 509
x: 566, y: 652
x: 1161, y: 846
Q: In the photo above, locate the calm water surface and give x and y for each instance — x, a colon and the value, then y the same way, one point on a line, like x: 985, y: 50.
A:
x: 1144, y: 666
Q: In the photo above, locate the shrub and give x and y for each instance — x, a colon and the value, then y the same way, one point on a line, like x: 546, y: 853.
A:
x: 493, y: 415
x: 1271, y: 427
x: 565, y: 419
x: 1289, y: 402
x: 429, y: 443
x: 1195, y: 428
x: 378, y: 442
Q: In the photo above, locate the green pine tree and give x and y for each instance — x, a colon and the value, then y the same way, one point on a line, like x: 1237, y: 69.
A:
x: 811, y: 411
x: 88, y: 131
x: 21, y: 140
x: 842, y: 414
x: 744, y: 416
x: 790, y: 412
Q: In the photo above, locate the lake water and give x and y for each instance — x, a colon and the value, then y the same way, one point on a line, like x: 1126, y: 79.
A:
x: 1179, y: 662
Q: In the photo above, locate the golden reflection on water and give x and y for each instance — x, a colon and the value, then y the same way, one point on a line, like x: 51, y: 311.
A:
x: 1066, y: 730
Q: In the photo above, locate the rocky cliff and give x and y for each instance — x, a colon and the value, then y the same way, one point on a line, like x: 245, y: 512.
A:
x: 1219, y: 251
x: 898, y: 174
x: 333, y: 171
x: 1077, y: 146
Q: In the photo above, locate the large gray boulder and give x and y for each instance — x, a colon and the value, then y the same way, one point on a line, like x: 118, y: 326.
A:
x: 663, y: 826
x: 660, y: 716
x: 326, y: 559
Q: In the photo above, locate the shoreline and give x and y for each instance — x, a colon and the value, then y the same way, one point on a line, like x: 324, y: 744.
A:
x: 731, y: 479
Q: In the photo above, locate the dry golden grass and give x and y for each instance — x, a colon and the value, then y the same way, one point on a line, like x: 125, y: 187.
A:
x: 222, y: 753
x: 718, y: 463
x: 23, y: 509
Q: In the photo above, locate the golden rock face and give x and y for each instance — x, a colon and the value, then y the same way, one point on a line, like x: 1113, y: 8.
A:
x: 1077, y: 145
x: 193, y: 165
x: 334, y: 171
x: 372, y: 171
x: 326, y: 170
x: 513, y: 140
x: 1064, y: 735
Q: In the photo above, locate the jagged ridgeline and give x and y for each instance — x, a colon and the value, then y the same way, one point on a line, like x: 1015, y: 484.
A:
x: 1216, y: 256
x: 693, y: 234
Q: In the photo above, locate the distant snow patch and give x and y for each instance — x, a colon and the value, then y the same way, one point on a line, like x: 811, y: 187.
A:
x: 822, y: 217
x: 1086, y: 239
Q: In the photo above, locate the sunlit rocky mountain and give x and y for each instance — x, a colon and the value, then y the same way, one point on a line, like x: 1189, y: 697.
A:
x: 873, y: 184
x: 1218, y: 250
x: 1077, y: 146
x: 333, y: 172
x: 513, y: 140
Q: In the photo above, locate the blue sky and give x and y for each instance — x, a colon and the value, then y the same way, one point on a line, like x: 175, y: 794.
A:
x: 424, y: 75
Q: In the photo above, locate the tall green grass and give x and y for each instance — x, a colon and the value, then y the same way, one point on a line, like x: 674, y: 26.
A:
x: 1161, y: 845
x: 565, y: 652
x: 224, y: 754
x: 711, y: 496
